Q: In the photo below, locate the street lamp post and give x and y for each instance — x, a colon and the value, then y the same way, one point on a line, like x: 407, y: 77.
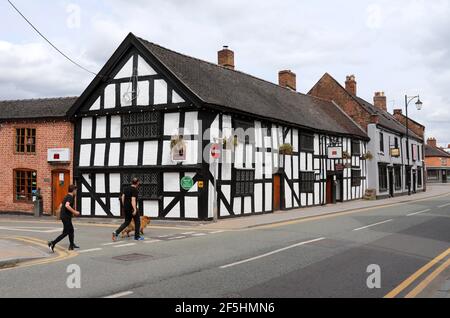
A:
x: 419, y: 105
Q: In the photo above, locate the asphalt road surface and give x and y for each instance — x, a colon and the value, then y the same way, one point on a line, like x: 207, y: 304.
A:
x: 320, y: 257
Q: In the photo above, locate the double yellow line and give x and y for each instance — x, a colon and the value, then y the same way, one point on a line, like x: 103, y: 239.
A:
x: 61, y: 254
x: 426, y: 281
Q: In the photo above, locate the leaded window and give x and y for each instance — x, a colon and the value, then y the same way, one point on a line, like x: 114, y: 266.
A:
x: 356, y: 148
x: 244, y: 183
x: 145, y: 125
x: 149, y: 184
x: 307, y: 182
x: 356, y: 178
x: 307, y: 143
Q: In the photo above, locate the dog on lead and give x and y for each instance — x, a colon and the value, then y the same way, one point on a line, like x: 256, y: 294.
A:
x: 145, y: 221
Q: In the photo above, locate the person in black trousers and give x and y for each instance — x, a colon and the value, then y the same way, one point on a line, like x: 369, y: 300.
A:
x: 129, y: 199
x: 67, y: 212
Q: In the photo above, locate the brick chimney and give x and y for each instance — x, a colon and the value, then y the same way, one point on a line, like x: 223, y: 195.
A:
x: 226, y: 58
x: 287, y: 79
x: 398, y: 112
x: 374, y: 119
x: 432, y: 142
x: 380, y: 101
x: 350, y: 84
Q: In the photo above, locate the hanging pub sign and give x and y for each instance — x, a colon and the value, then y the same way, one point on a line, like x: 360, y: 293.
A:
x: 395, y: 152
x: 334, y: 152
x: 178, y: 149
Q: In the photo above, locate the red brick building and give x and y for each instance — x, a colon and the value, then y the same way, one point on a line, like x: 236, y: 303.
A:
x: 36, y: 149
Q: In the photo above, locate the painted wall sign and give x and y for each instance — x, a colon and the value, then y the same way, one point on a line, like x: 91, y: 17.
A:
x: 179, y: 150
x: 187, y: 183
x: 334, y: 152
x: 395, y: 152
x: 58, y: 155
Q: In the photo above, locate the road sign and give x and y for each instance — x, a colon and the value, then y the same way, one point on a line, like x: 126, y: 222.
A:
x: 215, y: 151
x: 187, y: 183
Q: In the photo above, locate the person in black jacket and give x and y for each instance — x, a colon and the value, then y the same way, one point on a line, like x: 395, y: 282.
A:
x: 129, y: 199
x: 67, y: 212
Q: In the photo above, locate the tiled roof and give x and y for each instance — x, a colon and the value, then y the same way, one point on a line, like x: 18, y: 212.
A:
x: 35, y: 108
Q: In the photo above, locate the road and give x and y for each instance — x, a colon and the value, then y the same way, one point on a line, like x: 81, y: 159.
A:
x: 320, y: 257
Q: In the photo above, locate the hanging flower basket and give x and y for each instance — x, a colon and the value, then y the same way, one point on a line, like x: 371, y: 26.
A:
x: 346, y: 155
x: 286, y: 149
x: 368, y: 156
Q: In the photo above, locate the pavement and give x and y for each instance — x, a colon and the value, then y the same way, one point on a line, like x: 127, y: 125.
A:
x: 13, y: 252
x: 318, y: 252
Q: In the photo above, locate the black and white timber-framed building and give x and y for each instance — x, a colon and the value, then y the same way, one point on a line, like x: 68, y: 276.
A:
x: 146, y: 95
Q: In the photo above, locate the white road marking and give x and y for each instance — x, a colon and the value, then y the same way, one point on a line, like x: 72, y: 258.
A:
x: 372, y: 225
x: 199, y: 234
x: 91, y: 250
x: 163, y: 236
x: 216, y: 232
x: 153, y: 241
x: 127, y: 293
x: 113, y: 243
x: 32, y: 229
x: 177, y: 238
x: 188, y: 233
x: 420, y: 212
x: 443, y: 206
x: 125, y: 245
x: 271, y: 253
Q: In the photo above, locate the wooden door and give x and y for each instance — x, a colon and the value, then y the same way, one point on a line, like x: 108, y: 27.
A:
x: 330, y: 183
x: 276, y: 193
x: 60, y: 187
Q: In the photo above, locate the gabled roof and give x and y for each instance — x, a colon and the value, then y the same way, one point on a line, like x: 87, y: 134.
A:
x: 386, y: 119
x: 231, y: 90
x: 36, y: 108
x: 431, y: 151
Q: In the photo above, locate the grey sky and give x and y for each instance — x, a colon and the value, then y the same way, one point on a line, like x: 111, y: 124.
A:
x: 400, y: 47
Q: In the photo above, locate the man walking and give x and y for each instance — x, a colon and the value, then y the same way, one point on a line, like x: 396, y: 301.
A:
x: 66, y: 214
x: 129, y: 200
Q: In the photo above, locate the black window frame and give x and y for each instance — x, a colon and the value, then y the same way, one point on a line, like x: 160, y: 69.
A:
x: 245, y: 126
x: 382, y: 182
x: 150, y: 184
x: 306, y: 142
x: 398, y: 177
x: 381, y: 142
x: 307, y: 181
x: 152, y: 124
x: 244, y: 183
x: 356, y: 177
x: 356, y: 148
x: 419, y: 177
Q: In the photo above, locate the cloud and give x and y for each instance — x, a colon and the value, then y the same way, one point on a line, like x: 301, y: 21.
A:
x: 401, y: 47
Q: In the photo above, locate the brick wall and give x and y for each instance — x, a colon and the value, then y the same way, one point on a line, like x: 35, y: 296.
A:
x: 327, y: 88
x: 415, y: 127
x: 437, y: 162
x: 49, y: 134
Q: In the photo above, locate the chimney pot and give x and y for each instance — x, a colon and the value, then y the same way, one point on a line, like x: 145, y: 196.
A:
x: 351, y: 84
x: 226, y: 58
x: 380, y: 101
x: 287, y: 79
